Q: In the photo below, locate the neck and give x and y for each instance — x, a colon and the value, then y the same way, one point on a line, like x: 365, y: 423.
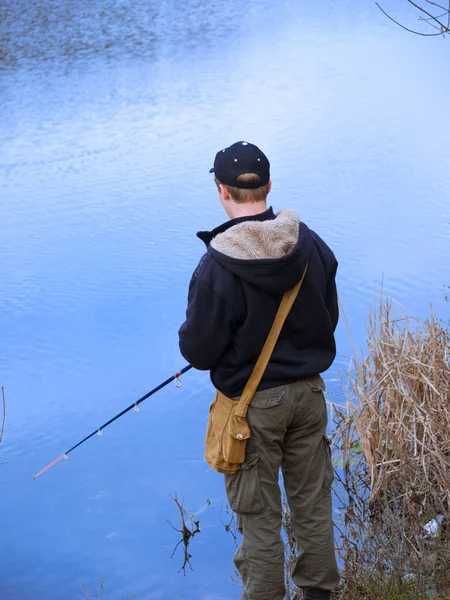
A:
x: 246, y: 209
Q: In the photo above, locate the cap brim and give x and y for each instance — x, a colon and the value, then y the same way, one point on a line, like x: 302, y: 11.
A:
x: 211, y: 170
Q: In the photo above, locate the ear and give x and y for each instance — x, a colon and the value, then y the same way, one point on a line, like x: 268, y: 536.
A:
x: 224, y: 192
x: 269, y: 186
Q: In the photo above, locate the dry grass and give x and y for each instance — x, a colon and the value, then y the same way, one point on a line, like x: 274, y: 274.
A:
x: 394, y: 443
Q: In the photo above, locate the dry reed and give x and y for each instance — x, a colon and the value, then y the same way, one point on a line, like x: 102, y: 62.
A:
x: 394, y: 474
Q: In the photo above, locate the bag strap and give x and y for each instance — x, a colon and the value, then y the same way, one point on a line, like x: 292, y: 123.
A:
x: 263, y: 360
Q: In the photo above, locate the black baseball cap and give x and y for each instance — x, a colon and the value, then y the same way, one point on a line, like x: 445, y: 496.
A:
x: 241, y: 157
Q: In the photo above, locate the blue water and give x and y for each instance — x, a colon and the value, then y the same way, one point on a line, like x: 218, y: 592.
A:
x: 111, y: 114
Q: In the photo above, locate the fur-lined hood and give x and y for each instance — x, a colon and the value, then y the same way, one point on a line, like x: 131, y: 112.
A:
x: 260, y: 239
x: 270, y: 251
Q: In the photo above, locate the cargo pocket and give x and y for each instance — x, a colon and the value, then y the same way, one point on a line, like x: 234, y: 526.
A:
x: 244, y: 488
x: 329, y: 471
x: 317, y: 384
x: 269, y: 398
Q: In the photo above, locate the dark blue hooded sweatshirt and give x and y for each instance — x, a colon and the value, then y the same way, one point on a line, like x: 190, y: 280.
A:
x: 232, y: 303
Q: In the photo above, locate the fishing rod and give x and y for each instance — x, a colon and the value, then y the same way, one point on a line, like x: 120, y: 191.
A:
x: 135, y: 405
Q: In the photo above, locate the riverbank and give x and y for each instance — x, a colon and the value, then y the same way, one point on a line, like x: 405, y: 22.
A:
x: 393, y: 447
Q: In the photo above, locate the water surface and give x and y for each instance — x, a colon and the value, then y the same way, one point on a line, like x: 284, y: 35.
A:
x: 111, y: 116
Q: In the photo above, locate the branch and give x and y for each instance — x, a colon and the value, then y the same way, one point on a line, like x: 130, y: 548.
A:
x: 443, y: 27
x: 430, y: 24
x: 438, y: 5
x: 438, y: 17
x: 406, y: 28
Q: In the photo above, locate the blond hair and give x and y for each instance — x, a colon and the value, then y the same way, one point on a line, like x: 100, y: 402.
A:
x: 241, y: 195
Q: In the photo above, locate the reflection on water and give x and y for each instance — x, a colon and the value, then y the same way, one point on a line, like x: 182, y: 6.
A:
x: 64, y: 32
x: 111, y: 115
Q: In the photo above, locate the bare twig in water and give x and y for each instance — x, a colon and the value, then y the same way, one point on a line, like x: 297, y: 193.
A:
x: 4, y: 415
x: 100, y: 590
x: 186, y: 534
x: 230, y: 528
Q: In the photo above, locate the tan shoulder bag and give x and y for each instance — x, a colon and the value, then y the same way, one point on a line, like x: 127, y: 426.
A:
x: 228, y: 430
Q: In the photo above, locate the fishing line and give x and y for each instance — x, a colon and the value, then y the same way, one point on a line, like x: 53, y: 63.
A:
x: 135, y: 405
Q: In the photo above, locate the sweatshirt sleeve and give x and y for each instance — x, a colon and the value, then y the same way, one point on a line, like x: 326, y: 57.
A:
x: 332, y: 298
x: 206, y: 333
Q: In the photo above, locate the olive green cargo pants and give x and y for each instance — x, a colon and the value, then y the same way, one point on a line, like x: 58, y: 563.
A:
x: 287, y: 426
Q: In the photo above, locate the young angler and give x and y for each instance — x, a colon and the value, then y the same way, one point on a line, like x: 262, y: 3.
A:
x: 234, y: 294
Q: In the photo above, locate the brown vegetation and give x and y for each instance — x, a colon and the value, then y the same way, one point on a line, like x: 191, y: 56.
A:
x: 393, y: 480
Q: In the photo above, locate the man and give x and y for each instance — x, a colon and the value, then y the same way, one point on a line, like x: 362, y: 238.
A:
x: 234, y: 294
